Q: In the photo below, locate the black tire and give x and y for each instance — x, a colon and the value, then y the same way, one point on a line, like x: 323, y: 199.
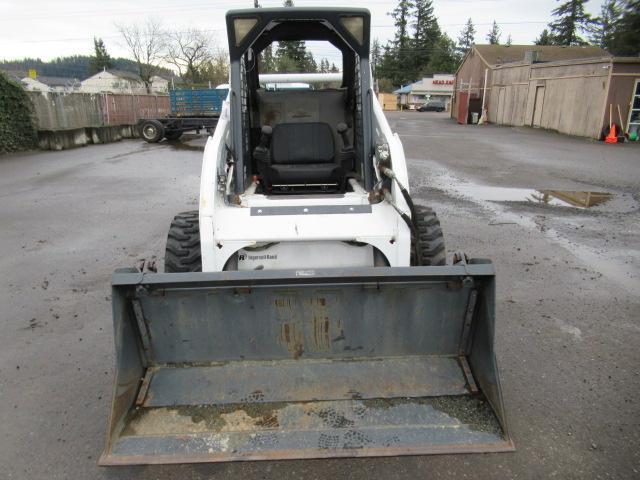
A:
x: 152, y: 131
x: 432, y: 250
x: 172, y: 135
x: 183, y: 244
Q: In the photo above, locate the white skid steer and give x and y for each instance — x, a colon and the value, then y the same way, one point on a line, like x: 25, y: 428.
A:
x: 306, y: 309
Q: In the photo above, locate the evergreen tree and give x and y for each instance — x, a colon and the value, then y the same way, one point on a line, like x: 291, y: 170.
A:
x: 267, y: 60
x: 444, y: 58
x: 466, y: 38
x: 626, y: 39
x: 324, y: 66
x: 508, y: 42
x: 291, y: 55
x: 544, y: 38
x: 401, y: 15
x: 310, y: 65
x: 101, y: 60
x: 571, y: 20
x: 376, y: 57
x: 493, y: 37
x: 604, y: 27
x: 427, y: 33
x: 396, y: 61
x: 333, y: 68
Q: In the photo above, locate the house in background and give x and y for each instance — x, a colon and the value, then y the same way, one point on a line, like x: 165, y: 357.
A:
x: 572, y: 90
x: 159, y: 84
x: 50, y: 84
x: 119, y: 81
x: 436, y: 87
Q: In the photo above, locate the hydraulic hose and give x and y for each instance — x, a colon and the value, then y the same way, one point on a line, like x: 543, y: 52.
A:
x: 405, y: 193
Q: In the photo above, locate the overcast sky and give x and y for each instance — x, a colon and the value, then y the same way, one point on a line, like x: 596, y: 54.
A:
x: 53, y: 28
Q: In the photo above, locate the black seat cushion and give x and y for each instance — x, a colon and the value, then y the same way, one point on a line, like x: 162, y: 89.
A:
x: 302, y: 143
x: 311, y: 173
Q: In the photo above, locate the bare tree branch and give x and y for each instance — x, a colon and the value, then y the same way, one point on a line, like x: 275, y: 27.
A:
x: 189, y: 51
x: 146, y: 45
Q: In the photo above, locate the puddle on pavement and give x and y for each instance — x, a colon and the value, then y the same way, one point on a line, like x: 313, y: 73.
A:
x: 558, y: 198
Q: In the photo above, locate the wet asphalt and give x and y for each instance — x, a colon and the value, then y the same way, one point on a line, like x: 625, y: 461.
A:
x: 568, y: 304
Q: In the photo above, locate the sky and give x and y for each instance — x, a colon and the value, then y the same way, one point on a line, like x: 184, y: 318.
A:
x: 47, y: 29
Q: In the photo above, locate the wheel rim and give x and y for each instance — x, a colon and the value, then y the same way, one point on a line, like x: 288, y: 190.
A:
x: 149, y: 131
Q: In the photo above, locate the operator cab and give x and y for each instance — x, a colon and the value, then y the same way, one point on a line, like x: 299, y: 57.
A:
x: 301, y: 132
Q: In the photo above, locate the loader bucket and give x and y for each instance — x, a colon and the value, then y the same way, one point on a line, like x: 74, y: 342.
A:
x: 304, y: 364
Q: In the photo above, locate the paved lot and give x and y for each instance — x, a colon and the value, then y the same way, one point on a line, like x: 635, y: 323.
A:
x: 568, y: 301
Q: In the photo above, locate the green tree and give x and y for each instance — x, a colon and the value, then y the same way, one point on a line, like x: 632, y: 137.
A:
x: 267, y: 60
x: 605, y: 25
x: 571, y: 20
x: 216, y: 70
x: 626, y: 39
x: 544, y: 38
x: 427, y: 33
x: 508, y: 42
x: 396, y: 60
x: 401, y: 16
x: 444, y: 58
x: 101, y: 60
x: 493, y: 37
x: 466, y: 38
x: 310, y: 64
x: 376, y: 57
x: 291, y: 55
x: 333, y: 68
x: 385, y: 85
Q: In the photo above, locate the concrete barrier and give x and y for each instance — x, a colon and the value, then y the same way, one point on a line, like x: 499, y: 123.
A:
x: 79, y: 137
x: 68, y: 120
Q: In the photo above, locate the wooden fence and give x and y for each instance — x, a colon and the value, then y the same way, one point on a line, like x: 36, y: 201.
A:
x: 70, y: 111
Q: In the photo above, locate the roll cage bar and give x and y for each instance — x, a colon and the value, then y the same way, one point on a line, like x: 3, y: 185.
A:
x: 252, y: 30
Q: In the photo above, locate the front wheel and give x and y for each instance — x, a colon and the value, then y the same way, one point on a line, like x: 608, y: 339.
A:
x: 432, y: 251
x: 182, y: 253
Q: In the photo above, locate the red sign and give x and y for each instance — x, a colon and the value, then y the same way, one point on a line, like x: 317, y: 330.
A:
x: 443, y: 82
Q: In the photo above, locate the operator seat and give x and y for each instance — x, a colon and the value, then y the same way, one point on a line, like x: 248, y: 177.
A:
x: 302, y: 156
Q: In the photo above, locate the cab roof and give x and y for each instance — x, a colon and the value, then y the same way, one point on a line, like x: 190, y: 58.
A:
x: 345, y: 28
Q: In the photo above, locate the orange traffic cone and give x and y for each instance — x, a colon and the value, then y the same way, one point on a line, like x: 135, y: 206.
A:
x: 613, y: 136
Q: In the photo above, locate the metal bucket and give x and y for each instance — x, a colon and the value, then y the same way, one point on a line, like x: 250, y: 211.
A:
x: 304, y: 364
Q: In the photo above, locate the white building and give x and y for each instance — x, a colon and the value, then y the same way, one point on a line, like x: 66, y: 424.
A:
x: 437, y: 87
x: 50, y: 84
x: 118, y: 81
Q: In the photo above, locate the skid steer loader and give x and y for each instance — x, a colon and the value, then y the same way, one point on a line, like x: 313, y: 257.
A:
x: 306, y: 309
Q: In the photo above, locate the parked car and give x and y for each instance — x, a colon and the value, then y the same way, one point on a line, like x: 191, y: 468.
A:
x: 433, y: 106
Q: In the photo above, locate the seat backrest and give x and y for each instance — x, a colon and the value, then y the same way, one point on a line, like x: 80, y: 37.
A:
x: 302, y: 143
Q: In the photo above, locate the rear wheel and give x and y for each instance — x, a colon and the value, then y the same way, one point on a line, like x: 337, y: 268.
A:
x: 152, y: 131
x: 183, y: 244
x: 432, y: 251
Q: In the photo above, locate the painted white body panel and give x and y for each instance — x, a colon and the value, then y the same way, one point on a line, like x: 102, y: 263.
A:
x: 226, y: 228
x: 306, y: 255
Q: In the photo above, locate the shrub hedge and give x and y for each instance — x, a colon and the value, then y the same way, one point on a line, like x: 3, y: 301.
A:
x: 16, y: 125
